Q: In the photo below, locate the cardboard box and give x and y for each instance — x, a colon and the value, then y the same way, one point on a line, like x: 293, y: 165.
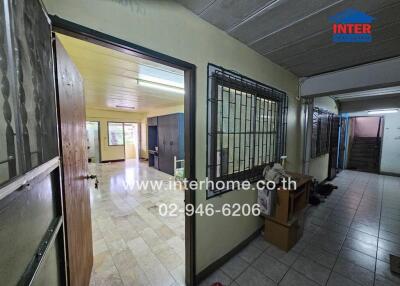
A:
x: 284, y: 236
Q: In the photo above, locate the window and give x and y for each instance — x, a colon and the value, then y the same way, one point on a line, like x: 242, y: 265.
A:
x: 322, y: 120
x: 246, y: 126
x: 115, y: 134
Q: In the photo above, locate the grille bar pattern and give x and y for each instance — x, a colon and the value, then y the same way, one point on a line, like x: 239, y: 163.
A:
x: 246, y: 123
x: 322, y: 121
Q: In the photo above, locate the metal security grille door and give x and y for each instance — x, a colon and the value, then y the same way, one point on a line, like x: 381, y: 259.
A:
x: 31, y: 217
x: 321, y: 132
x: 247, y: 124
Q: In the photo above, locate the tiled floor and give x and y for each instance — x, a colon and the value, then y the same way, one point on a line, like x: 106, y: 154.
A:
x: 133, y: 244
x: 347, y: 241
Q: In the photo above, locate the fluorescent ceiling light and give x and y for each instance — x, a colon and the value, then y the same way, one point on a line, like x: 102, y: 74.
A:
x: 367, y: 93
x: 160, y: 80
x: 383, y: 111
x: 124, y: 106
x: 161, y: 86
x: 158, y: 75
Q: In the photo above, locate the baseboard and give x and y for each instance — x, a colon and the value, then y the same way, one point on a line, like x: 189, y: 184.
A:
x: 112, y: 161
x: 390, y: 174
x: 221, y: 261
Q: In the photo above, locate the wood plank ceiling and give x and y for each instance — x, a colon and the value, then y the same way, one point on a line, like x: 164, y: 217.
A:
x: 297, y: 34
x: 111, y: 78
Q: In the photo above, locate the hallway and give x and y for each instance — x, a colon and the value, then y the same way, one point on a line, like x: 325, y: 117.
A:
x: 133, y: 244
x: 347, y: 241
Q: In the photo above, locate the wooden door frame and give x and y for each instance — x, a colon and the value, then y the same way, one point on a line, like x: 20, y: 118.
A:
x: 84, y: 33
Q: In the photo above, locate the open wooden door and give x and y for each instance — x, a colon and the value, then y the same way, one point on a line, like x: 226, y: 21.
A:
x: 72, y: 118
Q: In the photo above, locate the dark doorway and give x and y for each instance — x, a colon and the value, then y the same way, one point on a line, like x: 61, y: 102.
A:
x: 333, y: 147
x: 365, y: 142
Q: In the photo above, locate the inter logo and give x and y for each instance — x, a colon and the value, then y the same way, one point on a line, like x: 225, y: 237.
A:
x: 352, y: 26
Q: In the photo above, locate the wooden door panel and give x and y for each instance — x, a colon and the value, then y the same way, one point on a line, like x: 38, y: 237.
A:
x: 74, y: 161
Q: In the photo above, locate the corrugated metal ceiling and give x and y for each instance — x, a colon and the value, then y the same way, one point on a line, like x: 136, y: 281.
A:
x: 296, y: 34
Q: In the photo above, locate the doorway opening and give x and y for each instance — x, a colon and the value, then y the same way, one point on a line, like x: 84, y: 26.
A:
x: 132, y: 141
x: 135, y: 89
x: 365, y: 143
x: 351, y: 133
x: 93, y: 141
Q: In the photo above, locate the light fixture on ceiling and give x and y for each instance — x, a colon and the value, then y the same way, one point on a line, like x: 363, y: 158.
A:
x: 383, y: 111
x: 160, y: 86
x: 161, y: 75
x: 124, y: 106
x: 367, y: 93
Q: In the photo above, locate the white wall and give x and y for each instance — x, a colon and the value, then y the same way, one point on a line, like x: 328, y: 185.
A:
x: 390, y: 160
x: 169, y: 28
x: 319, y: 165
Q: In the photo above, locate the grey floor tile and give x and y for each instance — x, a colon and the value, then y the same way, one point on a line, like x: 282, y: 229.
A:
x: 334, y: 227
x: 317, y: 221
x: 358, y: 258
x: 270, y: 267
x: 364, y: 228
x: 354, y: 272
x: 390, y: 219
x: 383, y: 269
x: 294, y: 278
x: 345, y: 221
x: 329, y: 245
x: 382, y: 281
x: 391, y: 226
x: 250, y: 253
x: 390, y: 236
x: 252, y: 277
x: 234, y: 267
x: 366, y: 248
x: 362, y: 236
x: 383, y: 254
x: 260, y: 243
x: 217, y: 276
x: 287, y: 258
x: 312, y: 270
x: 300, y: 245
x: 388, y: 245
x: 320, y: 256
x: 339, y: 280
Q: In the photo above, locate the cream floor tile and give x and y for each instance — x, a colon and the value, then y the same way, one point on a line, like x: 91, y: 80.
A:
x: 133, y: 244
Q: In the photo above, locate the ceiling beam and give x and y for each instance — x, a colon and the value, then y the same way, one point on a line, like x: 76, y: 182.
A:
x: 375, y: 75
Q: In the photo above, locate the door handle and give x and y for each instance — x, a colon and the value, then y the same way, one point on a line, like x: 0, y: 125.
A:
x: 93, y: 177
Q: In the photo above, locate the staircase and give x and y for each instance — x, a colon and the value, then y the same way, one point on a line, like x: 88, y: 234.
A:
x: 365, y: 154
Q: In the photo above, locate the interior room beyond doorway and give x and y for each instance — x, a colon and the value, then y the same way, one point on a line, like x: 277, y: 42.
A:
x: 126, y: 96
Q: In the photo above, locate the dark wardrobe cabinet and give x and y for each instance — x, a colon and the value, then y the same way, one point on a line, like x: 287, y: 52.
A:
x: 168, y: 133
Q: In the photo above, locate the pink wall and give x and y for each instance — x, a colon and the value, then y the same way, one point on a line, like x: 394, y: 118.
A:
x: 366, y: 126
